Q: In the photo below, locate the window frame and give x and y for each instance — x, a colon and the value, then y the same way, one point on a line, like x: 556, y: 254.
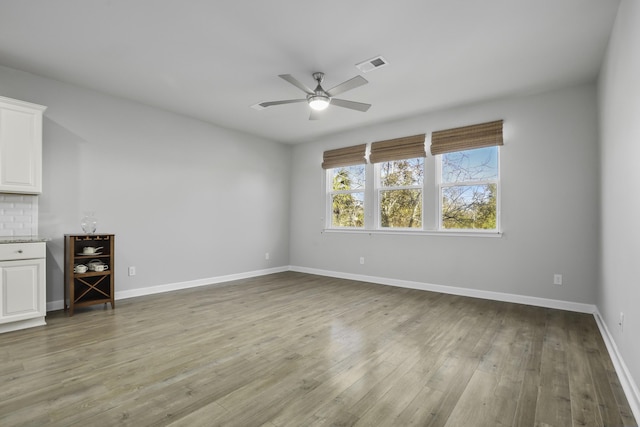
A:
x: 330, y: 192
x: 441, y: 185
x: 377, y: 199
x: 431, y: 209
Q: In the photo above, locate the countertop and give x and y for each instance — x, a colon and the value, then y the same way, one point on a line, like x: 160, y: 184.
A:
x: 23, y: 239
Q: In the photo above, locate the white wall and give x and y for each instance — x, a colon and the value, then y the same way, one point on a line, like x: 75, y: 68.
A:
x: 549, y: 205
x: 619, y: 92
x: 187, y: 200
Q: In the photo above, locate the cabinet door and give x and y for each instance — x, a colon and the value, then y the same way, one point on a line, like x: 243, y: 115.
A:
x: 22, y: 290
x: 20, y: 147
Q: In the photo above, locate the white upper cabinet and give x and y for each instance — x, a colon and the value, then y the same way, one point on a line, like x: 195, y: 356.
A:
x: 20, y: 146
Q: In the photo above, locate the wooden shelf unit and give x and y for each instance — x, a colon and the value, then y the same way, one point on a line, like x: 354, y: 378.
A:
x: 92, y: 287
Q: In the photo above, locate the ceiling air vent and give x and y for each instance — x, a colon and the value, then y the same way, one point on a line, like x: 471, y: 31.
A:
x: 372, y: 64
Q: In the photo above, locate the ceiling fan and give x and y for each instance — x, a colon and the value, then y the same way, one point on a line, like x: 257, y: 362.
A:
x: 319, y: 99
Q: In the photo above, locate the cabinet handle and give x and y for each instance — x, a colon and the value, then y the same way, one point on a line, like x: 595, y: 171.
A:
x: 19, y: 251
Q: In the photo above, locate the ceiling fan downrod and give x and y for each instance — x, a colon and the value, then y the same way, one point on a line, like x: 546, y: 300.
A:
x: 319, y: 100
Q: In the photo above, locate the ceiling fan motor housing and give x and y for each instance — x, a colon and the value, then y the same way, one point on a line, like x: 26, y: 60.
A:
x: 319, y: 100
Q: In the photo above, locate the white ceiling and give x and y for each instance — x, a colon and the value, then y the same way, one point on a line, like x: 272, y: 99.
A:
x: 213, y: 59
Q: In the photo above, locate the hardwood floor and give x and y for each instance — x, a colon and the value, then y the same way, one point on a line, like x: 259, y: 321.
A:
x: 293, y: 349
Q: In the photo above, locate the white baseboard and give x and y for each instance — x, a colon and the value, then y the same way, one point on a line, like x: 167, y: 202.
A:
x: 196, y: 283
x: 55, y: 305
x: 158, y: 289
x: 495, y: 296
x: 474, y: 293
x: 626, y: 380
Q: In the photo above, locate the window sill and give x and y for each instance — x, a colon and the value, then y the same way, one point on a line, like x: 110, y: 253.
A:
x: 461, y: 233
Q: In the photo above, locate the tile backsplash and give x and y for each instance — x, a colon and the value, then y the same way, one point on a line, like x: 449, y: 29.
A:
x: 18, y: 215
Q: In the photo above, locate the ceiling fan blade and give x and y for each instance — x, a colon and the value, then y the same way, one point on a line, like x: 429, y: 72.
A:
x: 286, y: 101
x: 296, y: 83
x: 353, y: 83
x: 359, y: 106
x: 315, y: 114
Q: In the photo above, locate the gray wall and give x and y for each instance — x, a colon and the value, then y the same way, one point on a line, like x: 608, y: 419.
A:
x: 549, y: 205
x: 186, y: 199
x: 620, y: 150
x: 162, y: 183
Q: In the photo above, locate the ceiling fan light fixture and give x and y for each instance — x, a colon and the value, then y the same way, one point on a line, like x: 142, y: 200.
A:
x: 319, y: 102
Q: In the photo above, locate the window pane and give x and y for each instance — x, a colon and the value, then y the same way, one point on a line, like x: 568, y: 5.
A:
x: 469, y: 206
x: 399, y: 173
x: 401, y: 208
x: 348, y: 178
x: 470, y: 165
x: 347, y: 210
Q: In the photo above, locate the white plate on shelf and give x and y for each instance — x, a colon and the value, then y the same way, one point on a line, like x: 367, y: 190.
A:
x: 83, y: 254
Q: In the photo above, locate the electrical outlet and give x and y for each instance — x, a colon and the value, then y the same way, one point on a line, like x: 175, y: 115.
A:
x: 361, y: 260
x: 621, y: 322
x: 132, y: 271
x: 266, y: 255
x: 557, y: 279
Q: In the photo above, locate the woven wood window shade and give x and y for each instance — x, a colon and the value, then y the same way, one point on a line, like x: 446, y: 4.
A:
x: 407, y: 147
x: 467, y: 137
x: 347, y: 156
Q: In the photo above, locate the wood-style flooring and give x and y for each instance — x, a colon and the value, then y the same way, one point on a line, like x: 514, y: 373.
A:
x: 293, y: 349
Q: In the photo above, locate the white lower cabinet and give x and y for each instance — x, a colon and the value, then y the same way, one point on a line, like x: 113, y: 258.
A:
x: 22, y: 287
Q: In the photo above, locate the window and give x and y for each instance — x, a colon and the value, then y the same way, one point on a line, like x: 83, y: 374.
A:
x: 346, y: 197
x: 399, y: 167
x: 398, y: 188
x: 469, y: 175
x: 400, y: 193
x: 345, y: 185
x: 469, y: 189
